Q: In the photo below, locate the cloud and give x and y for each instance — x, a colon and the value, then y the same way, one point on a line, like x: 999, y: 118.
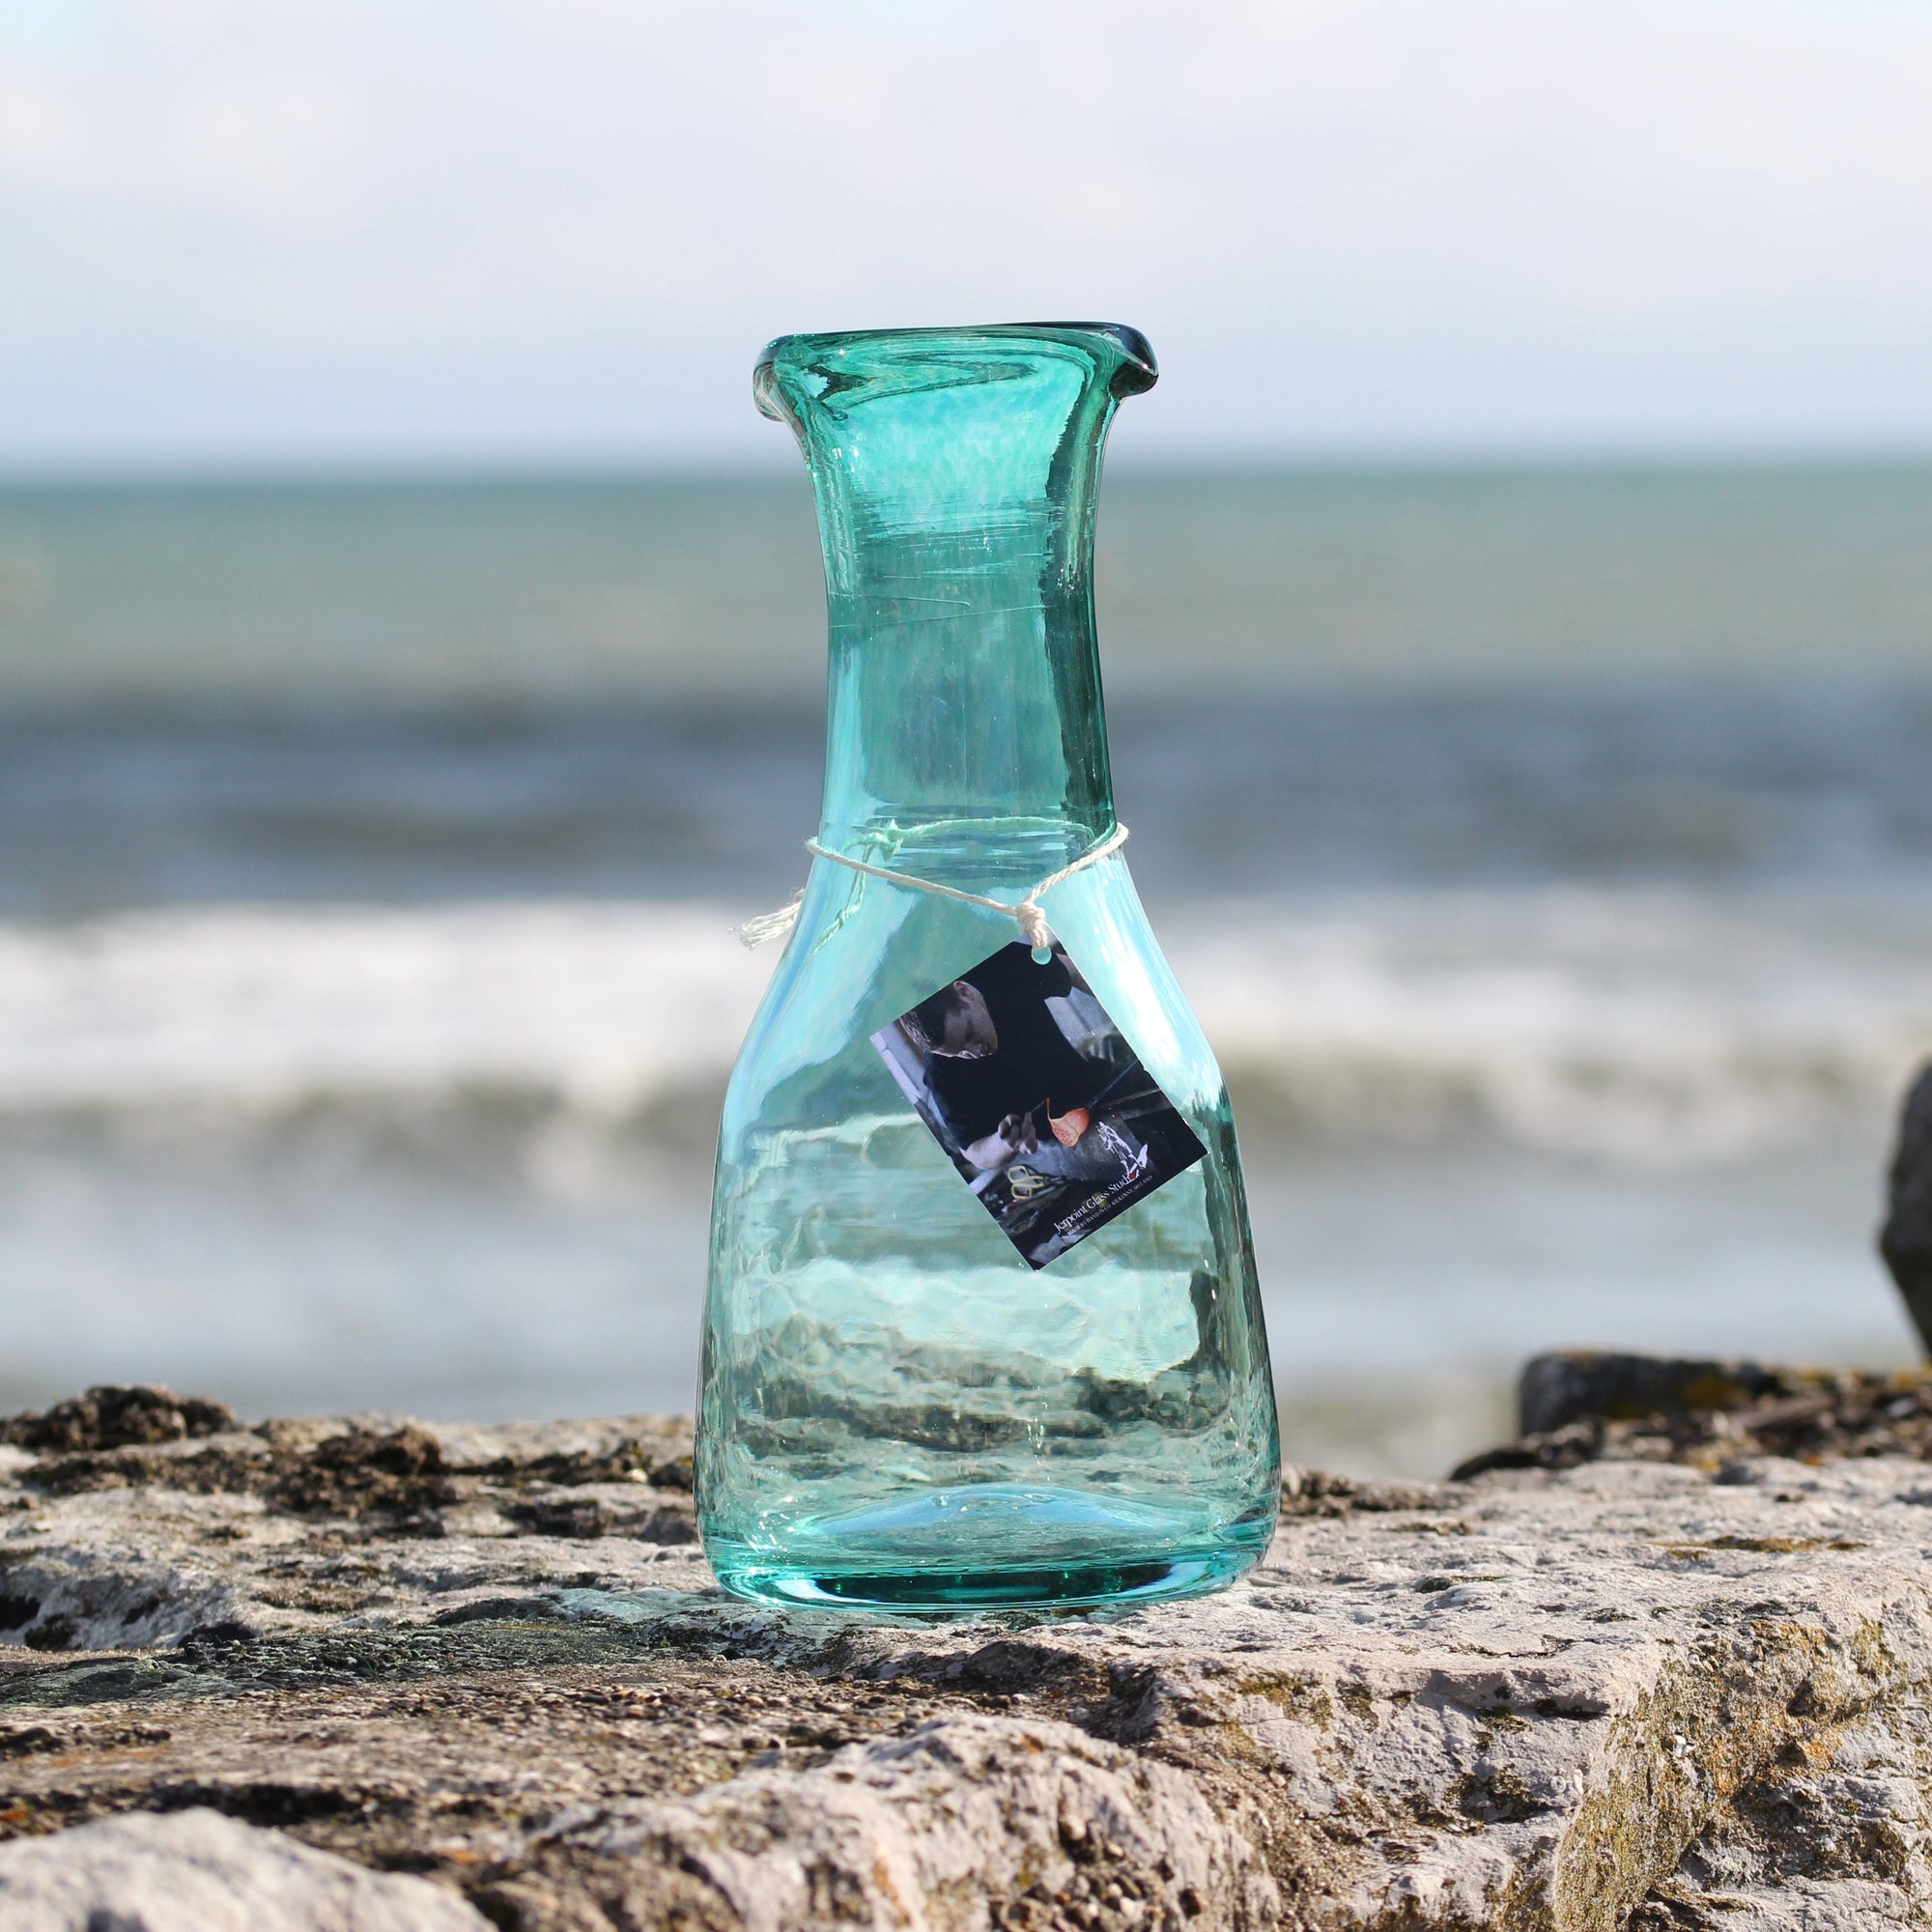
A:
x: 565, y: 225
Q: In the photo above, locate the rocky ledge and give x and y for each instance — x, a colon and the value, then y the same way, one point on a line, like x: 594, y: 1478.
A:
x: 1656, y: 1671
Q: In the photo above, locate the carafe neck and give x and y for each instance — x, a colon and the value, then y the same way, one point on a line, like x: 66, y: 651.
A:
x: 955, y: 472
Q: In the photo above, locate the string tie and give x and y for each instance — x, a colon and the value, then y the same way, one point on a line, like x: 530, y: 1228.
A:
x: 1025, y: 912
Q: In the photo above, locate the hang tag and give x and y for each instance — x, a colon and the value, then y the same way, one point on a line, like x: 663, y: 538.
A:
x: 1036, y: 1098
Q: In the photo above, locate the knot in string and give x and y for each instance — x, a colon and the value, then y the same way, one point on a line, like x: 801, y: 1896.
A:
x: 1033, y: 928
x: 1025, y: 913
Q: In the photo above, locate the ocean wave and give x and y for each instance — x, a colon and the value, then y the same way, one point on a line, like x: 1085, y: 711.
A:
x: 1640, y: 1028
x: 1648, y: 1028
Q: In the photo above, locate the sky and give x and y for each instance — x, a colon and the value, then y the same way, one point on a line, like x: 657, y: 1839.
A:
x: 407, y: 232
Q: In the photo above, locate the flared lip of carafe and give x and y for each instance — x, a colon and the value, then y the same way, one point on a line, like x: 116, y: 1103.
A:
x: 1134, y: 373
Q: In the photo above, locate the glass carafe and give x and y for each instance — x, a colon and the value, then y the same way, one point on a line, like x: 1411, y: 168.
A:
x: 897, y: 1411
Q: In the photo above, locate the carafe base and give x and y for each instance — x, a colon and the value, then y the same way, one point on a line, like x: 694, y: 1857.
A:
x: 993, y: 1547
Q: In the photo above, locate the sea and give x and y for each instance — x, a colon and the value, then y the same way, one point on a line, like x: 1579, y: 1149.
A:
x: 1547, y: 852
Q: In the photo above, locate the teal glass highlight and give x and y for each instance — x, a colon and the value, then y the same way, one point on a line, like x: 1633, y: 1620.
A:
x: 895, y: 1411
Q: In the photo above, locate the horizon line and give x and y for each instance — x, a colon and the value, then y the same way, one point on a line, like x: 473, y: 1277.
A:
x: 400, y: 470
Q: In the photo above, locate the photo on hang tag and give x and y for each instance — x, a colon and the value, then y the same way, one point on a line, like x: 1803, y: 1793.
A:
x: 1037, y: 1098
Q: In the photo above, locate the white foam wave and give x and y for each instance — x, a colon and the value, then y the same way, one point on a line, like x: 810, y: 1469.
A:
x: 262, y: 1008
x: 1644, y: 1027
x: 1640, y: 1026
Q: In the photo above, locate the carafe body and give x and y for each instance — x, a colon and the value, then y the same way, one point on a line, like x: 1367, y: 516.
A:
x: 897, y: 1410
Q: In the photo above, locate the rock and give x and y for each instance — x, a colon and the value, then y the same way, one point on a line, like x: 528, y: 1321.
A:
x: 275, y: 1529
x: 930, y: 1827
x: 197, y: 1871
x: 1581, y: 1406
x: 1321, y: 1493
x: 1906, y: 1238
x: 111, y: 1418
x: 1585, y: 1385
x: 1659, y: 1689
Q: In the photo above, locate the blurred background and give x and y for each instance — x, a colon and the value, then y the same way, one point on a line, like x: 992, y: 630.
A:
x: 1517, y: 603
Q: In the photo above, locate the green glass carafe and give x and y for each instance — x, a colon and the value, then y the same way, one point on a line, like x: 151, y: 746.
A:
x: 898, y: 1411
